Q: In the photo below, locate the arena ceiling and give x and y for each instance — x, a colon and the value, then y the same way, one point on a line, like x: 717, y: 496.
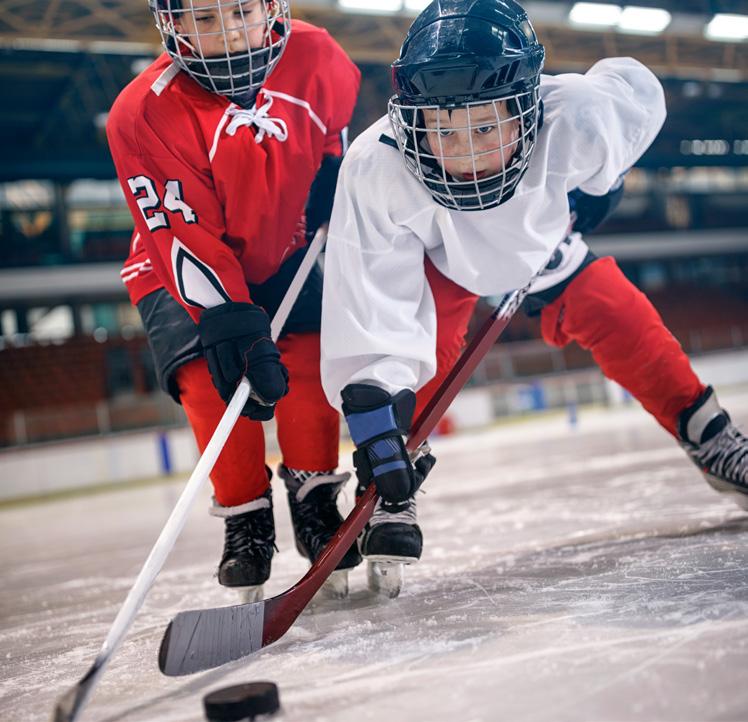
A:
x: 62, y: 63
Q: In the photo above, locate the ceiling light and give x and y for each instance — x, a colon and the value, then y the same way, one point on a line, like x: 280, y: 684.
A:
x: 644, y: 20
x: 727, y: 27
x: 594, y: 14
x: 371, y: 6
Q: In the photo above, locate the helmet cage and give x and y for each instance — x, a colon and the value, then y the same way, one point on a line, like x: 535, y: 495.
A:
x: 515, y: 121
x: 237, y: 75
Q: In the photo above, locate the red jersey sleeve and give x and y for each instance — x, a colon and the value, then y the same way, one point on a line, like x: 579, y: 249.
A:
x: 177, y: 212
x: 344, y: 80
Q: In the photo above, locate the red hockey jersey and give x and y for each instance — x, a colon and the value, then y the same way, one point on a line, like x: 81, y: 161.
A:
x: 218, y: 191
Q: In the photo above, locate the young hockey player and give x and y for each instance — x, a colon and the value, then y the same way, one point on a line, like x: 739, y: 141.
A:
x: 464, y: 191
x: 217, y: 145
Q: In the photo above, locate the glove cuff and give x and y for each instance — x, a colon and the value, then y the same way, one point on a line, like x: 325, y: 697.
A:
x: 232, y: 320
x: 372, y: 413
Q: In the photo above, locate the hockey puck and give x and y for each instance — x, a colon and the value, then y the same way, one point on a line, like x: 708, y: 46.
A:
x: 241, y: 702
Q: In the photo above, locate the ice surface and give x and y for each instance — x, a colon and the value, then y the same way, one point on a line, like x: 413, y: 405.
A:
x: 586, y: 574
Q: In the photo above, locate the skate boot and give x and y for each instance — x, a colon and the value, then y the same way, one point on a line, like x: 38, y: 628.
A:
x: 716, y: 446
x: 312, y: 497
x: 391, y: 539
x: 248, y: 546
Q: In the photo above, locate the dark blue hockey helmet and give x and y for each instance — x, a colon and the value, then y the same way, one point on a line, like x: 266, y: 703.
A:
x: 463, y: 55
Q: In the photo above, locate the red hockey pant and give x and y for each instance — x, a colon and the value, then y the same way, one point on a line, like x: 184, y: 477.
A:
x: 607, y: 315
x: 308, y: 427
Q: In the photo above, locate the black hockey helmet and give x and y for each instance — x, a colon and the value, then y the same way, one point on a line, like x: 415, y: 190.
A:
x: 237, y: 75
x: 463, y: 54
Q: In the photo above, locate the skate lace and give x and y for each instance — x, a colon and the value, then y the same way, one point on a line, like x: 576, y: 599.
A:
x: 311, y: 480
x: 725, y: 456
x: 316, y: 518
x: 384, y: 513
x: 251, y: 535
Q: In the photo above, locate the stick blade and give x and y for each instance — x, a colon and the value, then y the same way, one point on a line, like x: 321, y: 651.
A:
x: 71, y: 702
x: 203, y: 639
x: 66, y: 706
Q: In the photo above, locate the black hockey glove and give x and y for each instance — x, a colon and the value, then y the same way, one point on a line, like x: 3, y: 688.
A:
x: 236, y: 340
x: 322, y: 193
x: 378, y: 422
x: 593, y: 211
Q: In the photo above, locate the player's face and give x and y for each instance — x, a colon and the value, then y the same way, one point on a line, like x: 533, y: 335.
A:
x: 474, y: 142
x: 219, y: 27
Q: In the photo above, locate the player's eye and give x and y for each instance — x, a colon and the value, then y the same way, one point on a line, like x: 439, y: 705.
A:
x: 445, y: 132
x: 485, y: 129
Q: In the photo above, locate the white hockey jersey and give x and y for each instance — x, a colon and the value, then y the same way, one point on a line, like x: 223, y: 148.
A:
x: 378, y: 315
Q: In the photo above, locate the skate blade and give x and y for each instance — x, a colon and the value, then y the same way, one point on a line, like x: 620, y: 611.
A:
x: 335, y: 586
x: 728, y: 490
x: 385, y: 578
x: 249, y: 595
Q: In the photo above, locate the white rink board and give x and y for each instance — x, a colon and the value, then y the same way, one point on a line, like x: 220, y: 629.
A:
x: 568, y: 575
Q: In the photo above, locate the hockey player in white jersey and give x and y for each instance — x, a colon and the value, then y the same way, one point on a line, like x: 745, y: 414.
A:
x: 464, y: 191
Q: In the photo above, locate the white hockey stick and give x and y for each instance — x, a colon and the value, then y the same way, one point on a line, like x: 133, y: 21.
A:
x: 70, y: 704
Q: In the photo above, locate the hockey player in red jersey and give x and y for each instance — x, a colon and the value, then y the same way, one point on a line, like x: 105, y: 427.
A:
x: 465, y: 191
x: 220, y: 146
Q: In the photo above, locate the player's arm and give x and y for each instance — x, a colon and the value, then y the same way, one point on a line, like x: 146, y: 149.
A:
x: 342, y: 80
x: 378, y: 331
x: 180, y: 222
x: 603, y: 121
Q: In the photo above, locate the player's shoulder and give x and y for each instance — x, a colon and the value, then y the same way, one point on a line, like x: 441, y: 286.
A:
x: 375, y: 145
x: 137, y: 93
x: 601, y: 80
x: 161, y: 98
x: 311, y: 39
x: 373, y: 160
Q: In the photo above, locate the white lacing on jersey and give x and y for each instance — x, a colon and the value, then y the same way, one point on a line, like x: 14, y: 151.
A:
x: 260, y: 118
x: 135, y: 269
x: 301, y: 103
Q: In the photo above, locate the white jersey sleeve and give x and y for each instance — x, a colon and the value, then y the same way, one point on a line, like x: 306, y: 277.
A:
x: 378, y: 315
x: 602, y: 121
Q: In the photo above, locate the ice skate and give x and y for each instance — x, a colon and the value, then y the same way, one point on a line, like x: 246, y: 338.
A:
x: 716, y: 446
x: 312, y: 500
x: 391, y: 540
x: 248, y: 549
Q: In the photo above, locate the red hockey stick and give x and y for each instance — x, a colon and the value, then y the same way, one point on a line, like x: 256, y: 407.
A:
x: 202, y: 639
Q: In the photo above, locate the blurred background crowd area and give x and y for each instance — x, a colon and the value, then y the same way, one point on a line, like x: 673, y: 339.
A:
x: 73, y: 358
